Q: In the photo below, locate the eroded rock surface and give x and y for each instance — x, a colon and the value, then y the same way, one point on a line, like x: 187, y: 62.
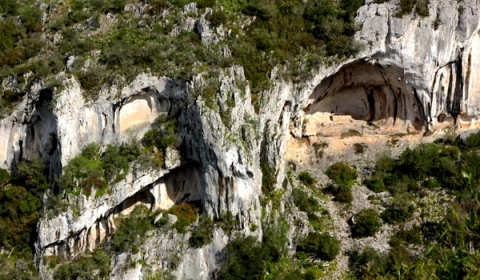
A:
x: 412, y: 77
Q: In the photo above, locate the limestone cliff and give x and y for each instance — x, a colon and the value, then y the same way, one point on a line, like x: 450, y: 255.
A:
x: 414, y: 75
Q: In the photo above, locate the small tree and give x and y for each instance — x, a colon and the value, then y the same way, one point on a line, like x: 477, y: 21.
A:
x: 321, y: 245
x: 342, y: 174
x: 366, y: 223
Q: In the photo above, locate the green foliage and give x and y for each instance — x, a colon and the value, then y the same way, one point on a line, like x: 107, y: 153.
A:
x: 244, y: 260
x: 159, y: 138
x: 131, y: 231
x: 187, y: 213
x: 249, y: 259
x: 367, y: 223
x: 17, y: 267
x: 115, y: 160
x: 342, y: 174
x: 84, y: 172
x: 32, y: 174
x: 306, y: 178
x: 473, y: 141
x: 268, y: 177
x: 368, y: 263
x: 406, y: 7
x: 304, y: 202
x: 18, y: 218
x: 95, y: 265
x: 93, y: 170
x: 202, y: 233
x: 4, y: 177
x: 227, y: 222
x: 448, y: 164
x: 217, y: 18
x: 320, y: 245
x: 344, y: 195
x: 399, y: 210
x: 422, y: 8
x: 406, y: 237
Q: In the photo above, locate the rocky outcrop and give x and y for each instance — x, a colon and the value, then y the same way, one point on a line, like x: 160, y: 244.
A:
x: 415, y: 74
x: 215, y: 163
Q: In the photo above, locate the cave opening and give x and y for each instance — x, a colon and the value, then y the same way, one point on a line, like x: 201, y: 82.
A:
x: 370, y: 93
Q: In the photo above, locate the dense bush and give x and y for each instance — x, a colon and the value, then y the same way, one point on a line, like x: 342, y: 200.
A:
x: 93, y: 170
x: 306, y: 178
x: 342, y: 174
x: 202, y: 233
x: 32, y: 175
x: 131, y: 231
x: 93, y: 266
x: 344, y: 195
x: 368, y: 263
x: 399, y: 210
x: 18, y: 218
x: 249, y: 259
x: 187, y: 213
x: 116, y: 159
x: 159, y: 138
x: 304, y: 202
x: 4, y: 177
x: 227, y: 222
x: 320, y: 245
x: 406, y: 237
x: 366, y: 223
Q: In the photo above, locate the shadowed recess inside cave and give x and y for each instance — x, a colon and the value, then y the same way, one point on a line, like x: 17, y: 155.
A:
x: 42, y: 135
x: 368, y: 92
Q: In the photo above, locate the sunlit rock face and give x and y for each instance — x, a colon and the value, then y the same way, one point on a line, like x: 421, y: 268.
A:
x: 412, y: 75
x: 369, y: 98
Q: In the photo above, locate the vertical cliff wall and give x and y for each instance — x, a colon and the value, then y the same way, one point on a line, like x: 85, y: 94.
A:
x: 415, y: 74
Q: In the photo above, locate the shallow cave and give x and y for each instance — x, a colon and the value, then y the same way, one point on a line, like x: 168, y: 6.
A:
x: 41, y: 137
x: 369, y: 92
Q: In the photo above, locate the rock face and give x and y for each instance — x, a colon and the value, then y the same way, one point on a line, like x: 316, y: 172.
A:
x: 220, y: 172
x: 414, y: 74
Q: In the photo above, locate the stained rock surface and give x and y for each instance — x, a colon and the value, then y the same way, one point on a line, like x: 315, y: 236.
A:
x: 412, y: 76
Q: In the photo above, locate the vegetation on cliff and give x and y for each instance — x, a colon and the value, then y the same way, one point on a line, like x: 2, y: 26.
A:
x: 101, y: 43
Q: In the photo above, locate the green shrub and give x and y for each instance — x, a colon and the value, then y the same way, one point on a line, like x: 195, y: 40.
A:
x: 473, y: 141
x: 406, y: 7
x: 217, y: 18
x: 406, y: 237
x: 342, y: 174
x: 321, y: 245
x: 367, y: 223
x: 18, y: 218
x: 245, y: 260
x: 344, y: 195
x: 187, y: 213
x: 130, y: 233
x: 368, y: 263
x: 202, y: 233
x: 92, y: 266
x: 115, y: 160
x: 306, y: 178
x: 227, y: 222
x: 249, y: 259
x: 32, y: 174
x: 304, y: 202
x: 422, y: 8
x: 399, y: 210
x: 4, y: 177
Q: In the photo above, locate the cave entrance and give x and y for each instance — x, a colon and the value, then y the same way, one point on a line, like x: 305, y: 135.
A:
x: 362, y: 94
